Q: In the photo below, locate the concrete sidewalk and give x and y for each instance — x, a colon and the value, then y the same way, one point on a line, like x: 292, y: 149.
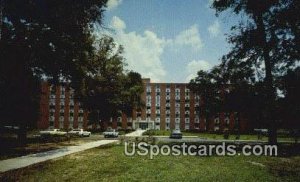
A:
x: 19, y: 162
x: 136, y: 133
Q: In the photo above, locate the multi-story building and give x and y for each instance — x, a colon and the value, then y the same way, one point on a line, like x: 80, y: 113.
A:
x: 174, y: 106
x: 59, y: 109
x: 167, y: 106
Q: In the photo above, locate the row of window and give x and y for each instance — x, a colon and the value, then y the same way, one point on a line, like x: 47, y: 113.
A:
x: 61, y: 118
x: 62, y: 102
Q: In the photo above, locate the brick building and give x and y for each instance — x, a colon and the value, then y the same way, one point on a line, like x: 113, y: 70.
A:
x: 59, y: 109
x: 168, y: 106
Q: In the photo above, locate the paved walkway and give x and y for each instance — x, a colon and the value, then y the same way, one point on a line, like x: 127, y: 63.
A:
x: 136, y: 133
x: 19, y: 162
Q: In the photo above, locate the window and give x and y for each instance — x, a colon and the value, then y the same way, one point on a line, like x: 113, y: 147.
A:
x: 119, y: 119
x: 52, y: 89
x: 187, y: 126
x: 167, y: 126
x: 217, y: 121
x: 148, y: 89
x: 62, y: 102
x: 187, y: 120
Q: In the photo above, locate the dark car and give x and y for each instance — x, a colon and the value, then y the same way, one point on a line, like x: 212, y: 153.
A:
x: 176, y: 134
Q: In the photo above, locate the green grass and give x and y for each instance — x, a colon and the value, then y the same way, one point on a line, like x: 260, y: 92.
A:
x: 213, y: 135
x: 110, y: 164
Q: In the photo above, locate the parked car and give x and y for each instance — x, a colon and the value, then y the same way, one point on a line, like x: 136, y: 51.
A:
x: 176, y: 134
x: 263, y: 132
x: 110, y: 133
x: 53, y: 132
x: 80, y: 132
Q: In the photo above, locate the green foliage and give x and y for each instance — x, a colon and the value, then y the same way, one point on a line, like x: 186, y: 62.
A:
x: 266, y: 39
x: 41, y: 38
x: 207, y: 86
x: 108, y: 90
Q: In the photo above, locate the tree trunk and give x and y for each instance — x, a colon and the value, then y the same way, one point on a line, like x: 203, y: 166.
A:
x: 270, y: 92
x: 22, y: 135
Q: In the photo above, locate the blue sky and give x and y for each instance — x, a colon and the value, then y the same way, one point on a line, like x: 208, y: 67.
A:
x: 168, y: 40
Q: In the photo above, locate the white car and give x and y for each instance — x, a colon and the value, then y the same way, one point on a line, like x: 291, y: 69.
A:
x: 52, y: 132
x: 110, y: 133
x: 80, y: 132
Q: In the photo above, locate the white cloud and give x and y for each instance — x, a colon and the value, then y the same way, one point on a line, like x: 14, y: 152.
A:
x: 189, y: 37
x: 194, y: 66
x: 112, y: 4
x: 214, y: 29
x: 142, y: 51
x: 118, y: 24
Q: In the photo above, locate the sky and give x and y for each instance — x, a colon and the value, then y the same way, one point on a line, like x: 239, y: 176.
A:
x: 168, y: 40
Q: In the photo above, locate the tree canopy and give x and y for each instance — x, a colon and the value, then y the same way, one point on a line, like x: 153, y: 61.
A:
x: 41, y: 38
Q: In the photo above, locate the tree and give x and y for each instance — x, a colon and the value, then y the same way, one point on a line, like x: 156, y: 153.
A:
x: 41, y: 38
x: 260, y: 39
x: 289, y: 84
x: 131, y: 93
x: 206, y: 87
x: 103, y: 85
x: 108, y: 90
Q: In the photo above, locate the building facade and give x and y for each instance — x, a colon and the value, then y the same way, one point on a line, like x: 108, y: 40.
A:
x: 167, y: 106
x: 59, y: 109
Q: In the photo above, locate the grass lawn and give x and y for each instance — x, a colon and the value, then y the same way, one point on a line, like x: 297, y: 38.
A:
x: 110, y: 164
x: 213, y: 135
x: 10, y: 147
